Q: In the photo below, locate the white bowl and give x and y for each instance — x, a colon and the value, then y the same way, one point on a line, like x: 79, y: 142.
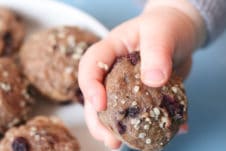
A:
x: 40, y: 14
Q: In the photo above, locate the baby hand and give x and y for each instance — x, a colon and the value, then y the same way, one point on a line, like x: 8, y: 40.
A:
x: 165, y: 36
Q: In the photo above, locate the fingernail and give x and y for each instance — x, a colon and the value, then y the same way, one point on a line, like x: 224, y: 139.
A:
x: 154, y: 77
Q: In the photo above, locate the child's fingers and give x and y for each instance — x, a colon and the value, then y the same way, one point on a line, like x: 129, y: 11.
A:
x: 93, y: 65
x: 97, y: 130
x: 157, y: 48
x: 183, y: 129
x: 99, y: 58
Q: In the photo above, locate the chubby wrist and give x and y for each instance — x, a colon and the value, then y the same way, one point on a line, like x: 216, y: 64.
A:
x: 186, y: 8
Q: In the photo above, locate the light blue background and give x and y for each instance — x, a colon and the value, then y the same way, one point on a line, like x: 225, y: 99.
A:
x: 206, y: 86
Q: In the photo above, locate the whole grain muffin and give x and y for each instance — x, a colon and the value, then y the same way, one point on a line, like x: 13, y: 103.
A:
x: 40, y: 134
x: 12, y: 31
x: 145, y: 118
x: 50, y: 61
x: 15, y: 103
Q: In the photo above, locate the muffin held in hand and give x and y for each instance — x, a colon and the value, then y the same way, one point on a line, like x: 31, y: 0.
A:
x: 50, y: 60
x: 11, y: 31
x: 15, y: 103
x: 40, y: 134
x: 145, y: 118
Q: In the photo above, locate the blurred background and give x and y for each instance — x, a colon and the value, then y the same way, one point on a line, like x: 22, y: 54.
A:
x: 206, y: 85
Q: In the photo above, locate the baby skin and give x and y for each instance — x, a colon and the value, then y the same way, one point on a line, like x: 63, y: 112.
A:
x: 166, y: 34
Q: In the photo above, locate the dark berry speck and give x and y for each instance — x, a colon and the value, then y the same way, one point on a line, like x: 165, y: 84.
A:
x: 121, y: 127
x: 133, y: 111
x: 8, y: 41
x: 20, y: 144
x: 134, y: 58
x: 130, y: 112
x: 174, y: 109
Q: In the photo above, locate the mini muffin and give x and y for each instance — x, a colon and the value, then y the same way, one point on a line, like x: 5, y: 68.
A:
x: 50, y: 61
x: 145, y: 118
x: 40, y: 134
x: 11, y: 31
x: 15, y: 102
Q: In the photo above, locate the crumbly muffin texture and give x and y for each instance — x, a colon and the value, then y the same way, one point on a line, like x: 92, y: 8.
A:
x: 15, y: 102
x: 50, y: 60
x: 40, y: 134
x: 145, y: 118
x: 12, y: 31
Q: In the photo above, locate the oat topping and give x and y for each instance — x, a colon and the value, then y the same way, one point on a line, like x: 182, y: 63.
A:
x: 4, y: 86
x: 142, y: 135
x: 136, y: 127
x: 148, y: 120
x: 152, y: 114
x: 116, y: 97
x: 174, y: 89
x: 134, y: 103
x: 34, y: 129
x: 69, y: 70
x: 136, y: 89
x: 148, y: 141
x: 78, y: 51
x: 163, y: 122
x: 71, y: 41
x: 114, y: 103
x: 156, y: 111
x: 146, y: 126
x: 25, y: 94
x: 80, y: 47
x: 123, y: 101
x: 164, y: 88
x: 103, y: 66
x: 134, y: 121
x: 62, y: 49
x: 137, y: 76
x: 13, y: 122
x: 76, y: 56
x: 182, y: 103
x: 37, y: 137
x: 179, y: 97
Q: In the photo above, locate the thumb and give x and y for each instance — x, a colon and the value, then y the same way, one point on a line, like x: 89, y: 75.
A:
x: 157, y: 46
